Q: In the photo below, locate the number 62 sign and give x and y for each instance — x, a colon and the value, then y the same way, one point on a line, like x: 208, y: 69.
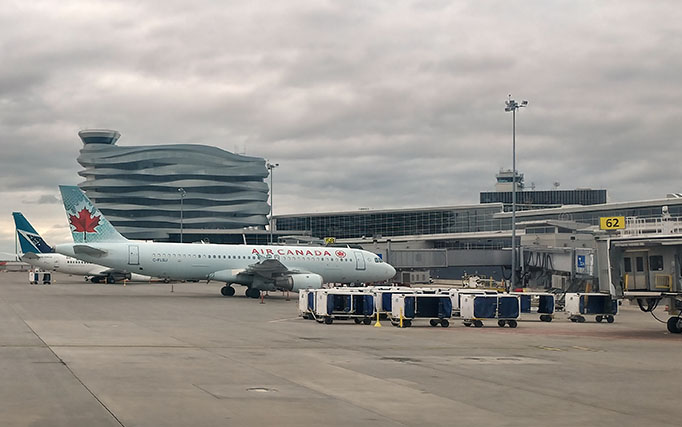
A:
x: 612, y: 222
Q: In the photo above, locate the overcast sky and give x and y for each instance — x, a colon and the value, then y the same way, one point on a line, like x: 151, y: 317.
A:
x: 377, y: 104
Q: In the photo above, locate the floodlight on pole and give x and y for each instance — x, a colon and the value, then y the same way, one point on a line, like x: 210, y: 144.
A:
x: 512, y: 106
x: 271, y: 167
x: 183, y: 193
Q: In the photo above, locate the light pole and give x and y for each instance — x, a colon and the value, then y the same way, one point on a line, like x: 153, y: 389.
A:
x: 183, y: 193
x: 271, y: 167
x: 512, y: 106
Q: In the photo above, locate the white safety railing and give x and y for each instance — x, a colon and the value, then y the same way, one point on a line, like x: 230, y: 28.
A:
x: 643, y: 226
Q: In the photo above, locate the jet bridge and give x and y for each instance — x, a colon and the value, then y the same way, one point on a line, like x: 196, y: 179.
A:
x: 643, y: 265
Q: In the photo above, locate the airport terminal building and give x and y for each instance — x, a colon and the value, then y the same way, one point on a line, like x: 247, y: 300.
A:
x: 148, y: 191
x: 450, y: 241
x: 163, y: 192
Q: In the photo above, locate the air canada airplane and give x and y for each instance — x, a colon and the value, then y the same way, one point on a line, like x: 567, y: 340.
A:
x: 260, y: 268
x: 36, y: 252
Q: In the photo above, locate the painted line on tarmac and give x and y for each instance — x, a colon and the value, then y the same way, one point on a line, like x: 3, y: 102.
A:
x: 283, y: 320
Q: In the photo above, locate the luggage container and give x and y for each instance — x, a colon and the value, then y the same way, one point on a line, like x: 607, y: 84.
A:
x: 341, y: 304
x: 383, y: 297
x: 503, y: 307
x: 541, y: 303
x: 407, y: 307
x: 601, y: 306
x: 306, y: 303
x: 37, y: 277
x: 456, y: 295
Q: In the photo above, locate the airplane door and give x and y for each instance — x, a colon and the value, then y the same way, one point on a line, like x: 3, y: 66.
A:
x: 359, y: 261
x: 133, y: 255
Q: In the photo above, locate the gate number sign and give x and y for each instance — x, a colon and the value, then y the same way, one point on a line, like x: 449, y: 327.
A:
x: 612, y: 222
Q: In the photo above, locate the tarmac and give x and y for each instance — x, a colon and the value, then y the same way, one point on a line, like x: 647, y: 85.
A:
x: 82, y: 354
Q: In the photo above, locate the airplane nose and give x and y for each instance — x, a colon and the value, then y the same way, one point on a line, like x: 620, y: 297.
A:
x: 390, y: 270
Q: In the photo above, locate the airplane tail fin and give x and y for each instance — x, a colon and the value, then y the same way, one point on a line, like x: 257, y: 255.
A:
x: 29, y: 239
x: 86, y: 221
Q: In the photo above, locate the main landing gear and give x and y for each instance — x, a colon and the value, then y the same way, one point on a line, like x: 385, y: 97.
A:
x: 253, y: 293
x: 675, y: 325
x: 228, y: 291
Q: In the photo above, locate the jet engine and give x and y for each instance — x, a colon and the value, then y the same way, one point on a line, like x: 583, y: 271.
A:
x: 296, y: 282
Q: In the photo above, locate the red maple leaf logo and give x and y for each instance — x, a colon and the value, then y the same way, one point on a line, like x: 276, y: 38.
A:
x: 84, y: 222
x: 340, y: 254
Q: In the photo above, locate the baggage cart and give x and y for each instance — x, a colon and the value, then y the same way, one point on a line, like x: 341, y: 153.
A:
x: 37, y: 277
x: 503, y: 307
x: 407, y: 307
x: 456, y: 295
x: 599, y: 305
x: 541, y: 303
x: 383, y: 298
x: 306, y: 303
x: 341, y: 304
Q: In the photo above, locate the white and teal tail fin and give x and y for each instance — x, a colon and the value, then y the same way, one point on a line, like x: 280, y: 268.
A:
x: 87, y: 223
x: 29, y: 239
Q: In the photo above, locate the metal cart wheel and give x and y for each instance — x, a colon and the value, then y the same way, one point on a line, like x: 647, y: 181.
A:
x: 581, y: 319
x: 501, y: 323
x: 598, y: 318
x: 366, y: 321
x: 467, y: 324
x: 328, y: 320
x: 444, y: 323
x: 433, y: 322
x: 478, y: 324
x: 357, y: 321
x: 512, y: 323
x: 610, y: 318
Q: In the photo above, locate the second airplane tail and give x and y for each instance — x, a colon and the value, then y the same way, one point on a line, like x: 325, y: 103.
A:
x: 86, y: 221
x: 29, y: 239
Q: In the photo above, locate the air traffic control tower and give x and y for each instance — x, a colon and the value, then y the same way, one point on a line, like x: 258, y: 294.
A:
x: 148, y: 191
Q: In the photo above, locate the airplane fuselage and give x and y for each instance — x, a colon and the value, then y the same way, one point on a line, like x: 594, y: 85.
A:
x: 63, y: 264
x: 204, y: 261
x: 70, y: 265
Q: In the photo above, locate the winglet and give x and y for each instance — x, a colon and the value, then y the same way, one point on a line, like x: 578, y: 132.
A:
x: 87, y: 223
x: 29, y: 239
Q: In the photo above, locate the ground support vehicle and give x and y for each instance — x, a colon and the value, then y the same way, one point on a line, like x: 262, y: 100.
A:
x: 343, y: 304
x: 505, y: 308
x: 306, y: 303
x: 37, y: 277
x: 541, y: 303
x: 456, y: 295
x: 601, y: 306
x: 407, y: 307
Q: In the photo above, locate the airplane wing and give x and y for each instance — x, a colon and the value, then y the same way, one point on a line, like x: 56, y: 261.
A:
x: 102, y: 271
x: 88, y: 250
x: 269, y: 269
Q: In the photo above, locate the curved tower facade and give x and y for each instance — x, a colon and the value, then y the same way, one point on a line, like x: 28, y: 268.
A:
x: 146, y: 190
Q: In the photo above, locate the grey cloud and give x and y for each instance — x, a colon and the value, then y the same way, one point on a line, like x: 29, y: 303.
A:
x: 364, y: 104
x: 45, y: 199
